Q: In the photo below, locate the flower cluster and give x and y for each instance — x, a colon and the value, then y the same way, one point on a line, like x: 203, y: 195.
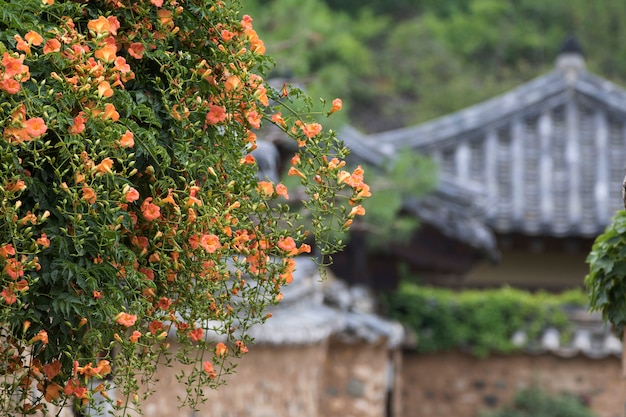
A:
x: 129, y: 200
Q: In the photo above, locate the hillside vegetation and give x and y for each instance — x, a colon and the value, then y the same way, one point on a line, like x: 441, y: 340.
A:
x: 400, y: 62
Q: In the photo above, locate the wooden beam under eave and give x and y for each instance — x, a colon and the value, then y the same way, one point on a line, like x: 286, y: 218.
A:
x: 462, y: 160
x: 601, y: 189
x: 617, y: 161
x: 545, y: 130
x: 517, y: 170
x: 491, y: 151
x: 503, y: 175
x: 572, y: 156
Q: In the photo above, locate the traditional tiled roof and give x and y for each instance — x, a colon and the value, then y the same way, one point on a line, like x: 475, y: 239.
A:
x: 456, y: 208
x: 549, y: 154
x: 358, y: 309
x: 301, y: 318
x: 313, y: 309
x: 590, y: 337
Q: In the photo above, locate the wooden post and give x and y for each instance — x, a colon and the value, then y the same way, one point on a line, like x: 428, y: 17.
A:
x: 624, y: 331
x: 624, y: 355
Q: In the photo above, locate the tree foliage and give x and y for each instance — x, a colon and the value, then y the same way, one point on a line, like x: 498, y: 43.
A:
x: 407, y: 61
x: 130, y: 205
x: 607, y: 269
x: 321, y: 49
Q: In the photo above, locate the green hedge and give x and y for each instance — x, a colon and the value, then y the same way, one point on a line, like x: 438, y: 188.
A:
x: 479, y: 321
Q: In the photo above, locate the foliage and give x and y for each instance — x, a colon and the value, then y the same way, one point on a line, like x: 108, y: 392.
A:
x: 129, y: 198
x: 480, y: 321
x: 426, y: 79
x: 322, y: 49
x: 402, y: 9
x: 407, y: 61
x: 536, y: 403
x: 607, y: 269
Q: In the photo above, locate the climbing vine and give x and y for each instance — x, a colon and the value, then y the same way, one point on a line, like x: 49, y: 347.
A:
x: 130, y: 208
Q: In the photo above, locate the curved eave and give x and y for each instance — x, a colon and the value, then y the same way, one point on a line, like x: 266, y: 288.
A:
x: 362, y: 148
x: 458, y: 212
x: 478, y: 116
x: 541, y: 92
x: 603, y: 91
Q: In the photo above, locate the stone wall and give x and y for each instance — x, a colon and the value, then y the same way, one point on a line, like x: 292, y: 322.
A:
x: 330, y: 379
x: 270, y: 381
x: 460, y: 385
x: 357, y: 380
x: 336, y: 379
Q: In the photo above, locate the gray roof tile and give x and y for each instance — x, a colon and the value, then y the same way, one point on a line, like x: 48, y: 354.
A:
x: 590, y: 337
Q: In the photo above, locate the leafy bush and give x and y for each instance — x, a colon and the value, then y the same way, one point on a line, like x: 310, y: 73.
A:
x: 480, y: 321
x: 536, y: 403
x: 607, y: 268
x: 129, y: 199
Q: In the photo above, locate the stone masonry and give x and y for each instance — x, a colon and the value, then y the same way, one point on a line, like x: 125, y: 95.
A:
x: 460, y: 385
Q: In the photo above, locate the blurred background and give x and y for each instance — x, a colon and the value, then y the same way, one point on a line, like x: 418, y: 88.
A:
x: 493, y: 133
x: 408, y: 61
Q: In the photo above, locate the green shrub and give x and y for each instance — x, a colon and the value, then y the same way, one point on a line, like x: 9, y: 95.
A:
x: 481, y: 321
x: 534, y: 403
